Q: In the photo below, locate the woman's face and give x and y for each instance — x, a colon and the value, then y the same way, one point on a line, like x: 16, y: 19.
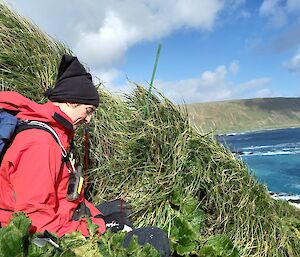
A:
x: 82, y: 114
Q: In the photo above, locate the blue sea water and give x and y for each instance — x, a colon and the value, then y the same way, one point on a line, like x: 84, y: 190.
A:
x: 272, y: 155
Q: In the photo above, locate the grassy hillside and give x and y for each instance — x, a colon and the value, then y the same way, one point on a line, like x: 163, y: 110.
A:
x: 245, y: 115
x: 172, y: 176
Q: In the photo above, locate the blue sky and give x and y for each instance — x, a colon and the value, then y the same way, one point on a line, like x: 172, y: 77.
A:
x: 212, y: 50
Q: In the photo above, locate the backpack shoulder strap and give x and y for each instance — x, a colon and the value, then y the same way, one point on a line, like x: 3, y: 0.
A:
x: 21, y: 125
x: 25, y: 125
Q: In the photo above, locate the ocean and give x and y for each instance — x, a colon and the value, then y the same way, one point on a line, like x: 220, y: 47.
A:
x: 273, y: 156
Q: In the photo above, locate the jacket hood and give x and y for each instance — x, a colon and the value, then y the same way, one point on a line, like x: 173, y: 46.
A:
x: 30, y: 110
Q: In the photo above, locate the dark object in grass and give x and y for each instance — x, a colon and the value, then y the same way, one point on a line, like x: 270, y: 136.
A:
x: 152, y: 235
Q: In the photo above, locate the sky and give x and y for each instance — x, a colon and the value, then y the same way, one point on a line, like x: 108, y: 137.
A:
x: 211, y: 50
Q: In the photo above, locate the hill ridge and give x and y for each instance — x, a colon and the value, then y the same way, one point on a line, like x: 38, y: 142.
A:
x: 240, y: 115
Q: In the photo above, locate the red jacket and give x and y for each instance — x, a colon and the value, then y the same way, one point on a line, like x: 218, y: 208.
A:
x: 31, y: 177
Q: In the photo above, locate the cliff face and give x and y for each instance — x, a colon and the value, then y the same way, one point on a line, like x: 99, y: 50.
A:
x: 245, y: 115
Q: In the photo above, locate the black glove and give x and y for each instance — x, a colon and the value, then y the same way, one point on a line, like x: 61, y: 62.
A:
x: 152, y: 235
x: 116, y: 222
x: 116, y: 215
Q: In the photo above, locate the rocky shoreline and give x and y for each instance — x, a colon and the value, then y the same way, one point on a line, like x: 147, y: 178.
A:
x: 291, y: 198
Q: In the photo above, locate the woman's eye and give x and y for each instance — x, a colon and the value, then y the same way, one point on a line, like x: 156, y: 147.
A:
x: 89, y: 111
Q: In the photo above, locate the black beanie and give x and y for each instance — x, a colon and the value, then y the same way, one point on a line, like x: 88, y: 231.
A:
x: 73, y: 84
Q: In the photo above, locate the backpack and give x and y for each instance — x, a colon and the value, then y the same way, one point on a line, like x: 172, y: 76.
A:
x: 10, y: 126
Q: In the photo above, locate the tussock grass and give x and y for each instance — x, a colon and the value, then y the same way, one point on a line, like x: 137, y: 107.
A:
x: 28, y: 57
x: 160, y: 154
x: 155, y: 159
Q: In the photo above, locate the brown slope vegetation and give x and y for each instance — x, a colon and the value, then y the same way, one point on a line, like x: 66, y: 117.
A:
x: 245, y: 115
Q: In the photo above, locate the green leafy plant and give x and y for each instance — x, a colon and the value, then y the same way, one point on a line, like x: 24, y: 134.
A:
x: 14, y: 237
x: 218, y: 246
x: 186, y: 224
x: 16, y: 241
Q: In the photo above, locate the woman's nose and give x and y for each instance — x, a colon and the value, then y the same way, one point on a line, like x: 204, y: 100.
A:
x: 88, y: 119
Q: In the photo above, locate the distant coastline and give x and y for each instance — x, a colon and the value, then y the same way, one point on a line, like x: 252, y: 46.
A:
x: 245, y: 116
x: 256, y: 131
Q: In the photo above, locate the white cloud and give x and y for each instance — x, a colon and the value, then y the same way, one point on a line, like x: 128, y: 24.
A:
x: 253, y: 88
x: 234, y: 67
x: 293, y: 5
x: 107, y: 76
x: 108, y: 44
x: 254, y: 83
x: 263, y: 93
x: 113, y: 80
x: 214, y: 86
x: 274, y: 11
x: 101, y: 31
x: 245, y: 14
x: 269, y: 7
x: 142, y: 21
x: 236, y: 3
x: 211, y: 78
x: 279, y: 11
x: 293, y: 64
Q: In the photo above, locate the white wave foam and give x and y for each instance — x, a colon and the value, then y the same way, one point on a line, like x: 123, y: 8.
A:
x: 256, y: 147
x: 277, y: 153
x: 291, y: 198
x: 297, y: 205
x: 284, y: 196
x: 283, y: 146
x: 270, y: 153
x: 297, y: 186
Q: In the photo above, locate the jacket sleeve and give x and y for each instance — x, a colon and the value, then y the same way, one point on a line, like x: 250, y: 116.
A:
x: 34, y: 175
